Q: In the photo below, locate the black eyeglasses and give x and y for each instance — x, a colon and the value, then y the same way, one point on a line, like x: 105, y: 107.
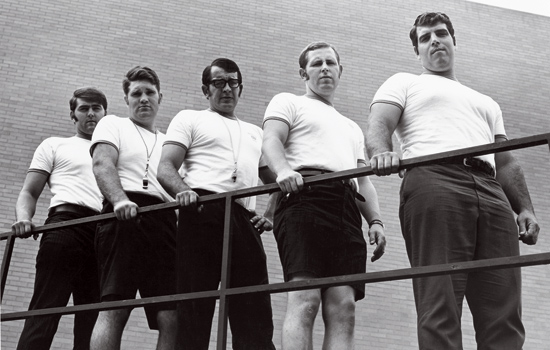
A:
x: 220, y: 83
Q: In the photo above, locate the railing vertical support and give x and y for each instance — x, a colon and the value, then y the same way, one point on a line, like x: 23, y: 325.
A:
x: 225, y: 275
x: 6, y: 262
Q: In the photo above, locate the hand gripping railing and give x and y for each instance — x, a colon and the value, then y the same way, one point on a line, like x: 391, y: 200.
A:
x: 224, y: 292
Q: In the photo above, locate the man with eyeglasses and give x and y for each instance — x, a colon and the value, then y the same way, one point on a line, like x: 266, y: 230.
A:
x: 318, y: 228
x: 458, y: 211
x: 220, y: 153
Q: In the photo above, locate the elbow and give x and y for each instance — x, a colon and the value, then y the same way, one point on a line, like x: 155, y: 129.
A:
x: 271, y: 145
x: 100, y: 169
x: 266, y: 146
x: 97, y: 163
x: 97, y: 167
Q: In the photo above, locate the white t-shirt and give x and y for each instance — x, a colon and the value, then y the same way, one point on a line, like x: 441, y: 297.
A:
x: 440, y: 114
x: 67, y: 162
x: 213, y: 143
x: 133, y: 144
x: 319, y: 136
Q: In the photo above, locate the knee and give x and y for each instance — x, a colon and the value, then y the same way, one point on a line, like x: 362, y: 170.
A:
x: 115, y: 318
x: 110, y: 323
x: 304, y: 305
x: 339, y: 310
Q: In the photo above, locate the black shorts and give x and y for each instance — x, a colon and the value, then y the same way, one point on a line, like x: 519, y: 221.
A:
x: 318, y: 232
x: 138, y: 255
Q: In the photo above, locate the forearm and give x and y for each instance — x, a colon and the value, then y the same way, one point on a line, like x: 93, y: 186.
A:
x: 379, y: 138
x: 170, y: 179
x: 109, y: 184
x: 268, y: 177
x: 370, y: 209
x: 271, y: 205
x: 381, y: 123
x: 274, y: 154
x: 25, y: 207
x: 512, y: 180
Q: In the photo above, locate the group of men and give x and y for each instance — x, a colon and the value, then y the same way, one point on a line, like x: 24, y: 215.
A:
x: 451, y: 212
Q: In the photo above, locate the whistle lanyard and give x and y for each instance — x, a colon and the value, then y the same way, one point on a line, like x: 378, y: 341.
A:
x: 145, y: 176
x: 235, y: 154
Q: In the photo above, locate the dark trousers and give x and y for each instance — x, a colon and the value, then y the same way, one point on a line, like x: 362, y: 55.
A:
x: 65, y: 265
x: 450, y: 213
x: 199, y: 261
x: 138, y: 255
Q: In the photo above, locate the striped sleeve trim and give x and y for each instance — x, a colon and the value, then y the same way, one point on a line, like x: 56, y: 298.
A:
x: 276, y: 118
x: 176, y: 144
x: 103, y: 142
x: 34, y: 170
x: 387, y: 102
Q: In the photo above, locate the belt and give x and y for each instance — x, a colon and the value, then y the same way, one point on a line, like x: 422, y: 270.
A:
x: 476, y: 164
x: 313, y: 172
x: 72, y: 208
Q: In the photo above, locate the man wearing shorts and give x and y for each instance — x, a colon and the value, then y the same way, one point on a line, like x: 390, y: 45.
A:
x: 134, y: 253
x: 66, y: 262
x: 458, y: 211
x: 318, y: 228
x: 220, y: 153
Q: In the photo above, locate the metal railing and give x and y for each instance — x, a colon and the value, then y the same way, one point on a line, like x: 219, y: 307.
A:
x: 224, y: 292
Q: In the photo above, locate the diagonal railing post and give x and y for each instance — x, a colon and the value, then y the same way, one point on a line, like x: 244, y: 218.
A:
x: 225, y: 276
x: 6, y: 262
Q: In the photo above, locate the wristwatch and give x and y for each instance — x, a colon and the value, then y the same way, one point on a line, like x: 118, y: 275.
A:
x: 376, y: 221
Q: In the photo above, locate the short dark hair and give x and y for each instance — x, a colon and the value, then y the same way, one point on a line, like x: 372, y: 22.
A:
x: 90, y: 94
x: 224, y: 63
x: 140, y: 73
x: 430, y: 19
x: 303, y: 59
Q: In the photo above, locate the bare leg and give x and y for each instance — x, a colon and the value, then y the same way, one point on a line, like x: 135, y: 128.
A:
x: 302, y: 308
x: 339, y: 317
x: 108, y: 329
x: 167, y: 322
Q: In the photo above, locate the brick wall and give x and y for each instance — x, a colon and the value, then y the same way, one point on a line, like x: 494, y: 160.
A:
x: 51, y: 48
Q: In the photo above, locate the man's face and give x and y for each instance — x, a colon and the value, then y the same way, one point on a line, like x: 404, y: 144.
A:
x: 222, y: 100
x: 436, y: 48
x: 143, y: 101
x: 322, y: 72
x: 87, y: 115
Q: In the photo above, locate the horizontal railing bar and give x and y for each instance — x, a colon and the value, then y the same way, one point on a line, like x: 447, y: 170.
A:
x: 370, y: 277
x: 523, y: 142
